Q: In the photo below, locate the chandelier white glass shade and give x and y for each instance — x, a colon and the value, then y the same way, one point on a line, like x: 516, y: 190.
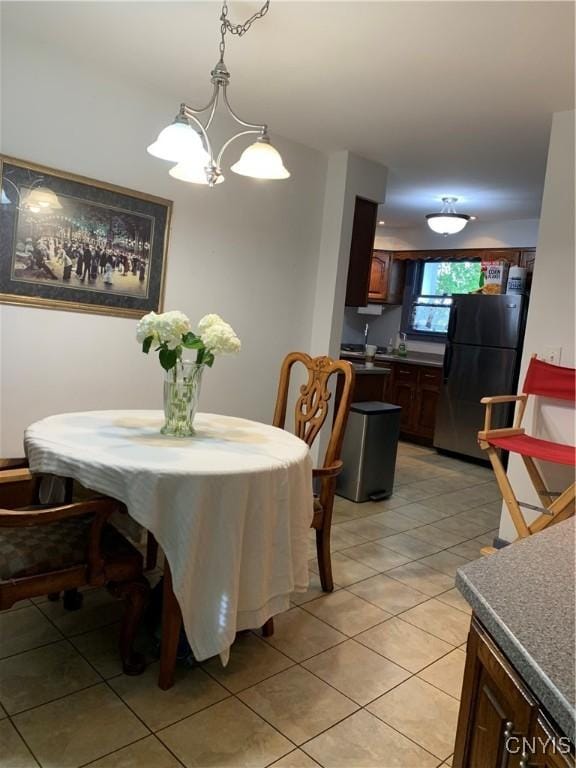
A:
x: 448, y: 222
x: 178, y: 141
x: 261, y: 161
x: 187, y: 140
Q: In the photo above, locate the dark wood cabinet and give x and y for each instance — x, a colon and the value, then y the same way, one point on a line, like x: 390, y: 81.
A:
x: 387, y: 278
x: 379, y: 275
x: 499, y: 718
x: 416, y: 388
x: 361, y: 247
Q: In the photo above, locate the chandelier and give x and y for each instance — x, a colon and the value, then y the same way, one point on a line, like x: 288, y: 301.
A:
x: 187, y: 142
x: 448, y: 222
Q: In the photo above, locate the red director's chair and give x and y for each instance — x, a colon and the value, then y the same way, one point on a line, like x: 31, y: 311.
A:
x: 544, y: 380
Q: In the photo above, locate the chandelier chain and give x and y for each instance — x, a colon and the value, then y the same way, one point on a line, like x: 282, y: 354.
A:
x: 237, y: 29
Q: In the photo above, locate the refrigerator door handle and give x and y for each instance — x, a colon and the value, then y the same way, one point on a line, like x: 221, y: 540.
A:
x: 448, y: 352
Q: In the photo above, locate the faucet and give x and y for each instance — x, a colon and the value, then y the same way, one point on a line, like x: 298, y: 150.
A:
x: 366, y: 331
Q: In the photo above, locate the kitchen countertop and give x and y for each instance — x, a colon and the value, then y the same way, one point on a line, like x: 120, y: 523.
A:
x: 412, y: 358
x: 525, y: 596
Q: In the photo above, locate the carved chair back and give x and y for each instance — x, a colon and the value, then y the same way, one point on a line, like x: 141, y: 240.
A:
x: 312, y: 405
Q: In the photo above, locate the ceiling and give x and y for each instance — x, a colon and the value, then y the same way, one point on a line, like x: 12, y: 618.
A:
x: 455, y: 98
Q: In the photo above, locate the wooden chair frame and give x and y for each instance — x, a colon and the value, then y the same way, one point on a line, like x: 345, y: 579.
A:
x: 555, y: 506
x: 122, y: 577
x: 310, y: 414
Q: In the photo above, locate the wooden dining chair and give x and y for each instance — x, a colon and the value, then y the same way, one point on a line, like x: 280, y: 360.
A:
x: 48, y: 549
x: 310, y: 413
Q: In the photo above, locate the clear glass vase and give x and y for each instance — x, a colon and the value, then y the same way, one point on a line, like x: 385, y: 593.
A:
x: 181, y: 395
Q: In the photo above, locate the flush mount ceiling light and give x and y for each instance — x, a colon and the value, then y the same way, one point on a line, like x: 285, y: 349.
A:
x: 448, y: 222
x: 187, y: 143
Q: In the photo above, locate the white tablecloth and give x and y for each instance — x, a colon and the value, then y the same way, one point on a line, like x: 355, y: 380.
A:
x: 231, y: 507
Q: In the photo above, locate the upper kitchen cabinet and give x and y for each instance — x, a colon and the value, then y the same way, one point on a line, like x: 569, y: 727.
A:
x: 361, y: 246
x: 387, y: 277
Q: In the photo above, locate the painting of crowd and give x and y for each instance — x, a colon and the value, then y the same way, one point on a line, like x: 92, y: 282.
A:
x: 102, y: 252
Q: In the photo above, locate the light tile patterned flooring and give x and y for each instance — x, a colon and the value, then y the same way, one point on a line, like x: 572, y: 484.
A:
x: 366, y: 677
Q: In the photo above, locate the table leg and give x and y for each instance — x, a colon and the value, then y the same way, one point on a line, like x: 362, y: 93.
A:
x: 171, y: 625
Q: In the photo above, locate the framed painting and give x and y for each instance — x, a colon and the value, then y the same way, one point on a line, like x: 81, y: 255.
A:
x: 72, y: 243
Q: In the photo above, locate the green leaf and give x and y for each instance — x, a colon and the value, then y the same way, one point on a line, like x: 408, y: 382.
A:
x: 208, y: 359
x: 168, y: 358
x: 147, y: 343
x: 192, y: 343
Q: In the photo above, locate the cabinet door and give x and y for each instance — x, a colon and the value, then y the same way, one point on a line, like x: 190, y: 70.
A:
x: 425, y: 411
x: 379, y: 273
x: 403, y: 389
x: 361, y: 246
x: 494, y: 707
x: 547, y: 748
x: 396, y: 281
x: 429, y: 381
x: 527, y: 259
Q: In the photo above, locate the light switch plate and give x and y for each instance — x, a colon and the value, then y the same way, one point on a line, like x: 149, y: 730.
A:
x: 552, y: 355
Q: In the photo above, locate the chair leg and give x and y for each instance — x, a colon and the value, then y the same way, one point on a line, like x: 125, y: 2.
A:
x: 324, y: 559
x: 171, y: 625
x: 136, y: 594
x: 151, y: 552
x: 72, y: 600
x: 268, y: 628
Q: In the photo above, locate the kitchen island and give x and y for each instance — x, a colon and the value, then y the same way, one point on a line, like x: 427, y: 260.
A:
x: 519, y: 684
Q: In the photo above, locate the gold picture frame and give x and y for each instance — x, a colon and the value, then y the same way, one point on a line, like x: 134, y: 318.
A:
x: 77, y: 244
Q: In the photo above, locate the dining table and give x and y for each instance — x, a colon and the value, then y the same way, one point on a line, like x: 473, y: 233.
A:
x: 230, y: 506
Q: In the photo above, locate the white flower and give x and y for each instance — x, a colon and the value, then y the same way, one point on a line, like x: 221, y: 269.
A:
x: 167, y: 328
x: 219, y: 337
x: 145, y: 327
x: 208, y: 321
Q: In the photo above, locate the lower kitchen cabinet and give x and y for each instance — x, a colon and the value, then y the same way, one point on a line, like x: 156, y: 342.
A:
x: 501, y: 724
x: 416, y: 389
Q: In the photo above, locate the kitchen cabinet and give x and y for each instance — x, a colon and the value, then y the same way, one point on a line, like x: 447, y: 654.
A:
x: 497, y: 711
x: 527, y: 259
x: 361, y: 246
x: 387, y: 278
x: 416, y: 389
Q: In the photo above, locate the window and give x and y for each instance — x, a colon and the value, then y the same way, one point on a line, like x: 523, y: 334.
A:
x: 429, y: 295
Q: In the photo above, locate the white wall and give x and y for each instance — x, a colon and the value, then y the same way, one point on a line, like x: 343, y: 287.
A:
x: 348, y: 177
x: 245, y: 249
x: 551, y: 313
x: 522, y: 233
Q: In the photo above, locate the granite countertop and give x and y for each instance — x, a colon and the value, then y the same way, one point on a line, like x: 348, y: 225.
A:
x: 525, y: 596
x: 412, y: 358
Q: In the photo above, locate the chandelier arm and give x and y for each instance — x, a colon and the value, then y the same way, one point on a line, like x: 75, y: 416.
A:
x: 213, y: 110
x: 191, y: 116
x: 263, y: 128
x: 225, y: 146
x: 186, y: 109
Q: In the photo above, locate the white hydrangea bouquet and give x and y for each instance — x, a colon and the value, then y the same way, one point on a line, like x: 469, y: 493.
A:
x: 171, y: 334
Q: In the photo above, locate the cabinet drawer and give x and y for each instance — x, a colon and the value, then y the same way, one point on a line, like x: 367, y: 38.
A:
x: 430, y: 377
x: 405, y: 372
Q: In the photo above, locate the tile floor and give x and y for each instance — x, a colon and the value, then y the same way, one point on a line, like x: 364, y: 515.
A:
x: 366, y: 677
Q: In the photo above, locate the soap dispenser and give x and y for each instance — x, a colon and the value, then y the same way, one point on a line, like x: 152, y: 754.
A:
x: 402, y: 350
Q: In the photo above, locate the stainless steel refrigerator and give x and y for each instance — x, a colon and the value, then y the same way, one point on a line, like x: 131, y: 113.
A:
x: 482, y: 357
